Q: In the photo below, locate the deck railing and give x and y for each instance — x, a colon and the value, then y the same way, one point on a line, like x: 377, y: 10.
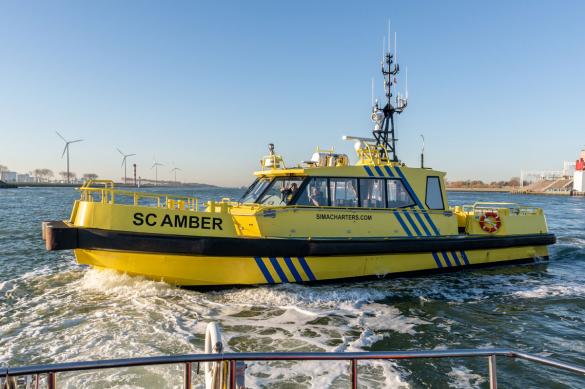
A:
x: 233, y: 363
x: 103, y: 191
x: 501, y: 208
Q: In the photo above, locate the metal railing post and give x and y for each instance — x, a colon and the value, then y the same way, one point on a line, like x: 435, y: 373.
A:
x: 354, y: 377
x: 492, y: 371
x: 188, y: 375
x: 232, y: 365
x: 51, y: 380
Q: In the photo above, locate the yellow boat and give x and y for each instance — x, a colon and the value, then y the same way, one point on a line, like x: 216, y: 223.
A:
x: 321, y: 220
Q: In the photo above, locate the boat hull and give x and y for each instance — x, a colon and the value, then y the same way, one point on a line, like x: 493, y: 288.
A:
x: 199, y: 270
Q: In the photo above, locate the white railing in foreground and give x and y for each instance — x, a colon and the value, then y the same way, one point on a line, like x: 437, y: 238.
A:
x: 230, y: 361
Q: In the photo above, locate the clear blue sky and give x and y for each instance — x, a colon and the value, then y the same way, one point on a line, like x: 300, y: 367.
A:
x: 494, y: 86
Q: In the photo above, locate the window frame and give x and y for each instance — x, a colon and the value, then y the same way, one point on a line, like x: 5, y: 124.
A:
x: 357, y: 190
x: 307, y: 179
x: 384, y: 190
x: 440, y: 192
x: 249, y: 189
x: 272, y: 179
x: 406, y: 189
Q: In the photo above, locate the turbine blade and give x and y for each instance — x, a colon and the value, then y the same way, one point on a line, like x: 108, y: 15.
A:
x: 130, y: 155
x: 76, y: 140
x: 120, y: 151
x: 123, y: 160
x: 65, y: 149
x: 61, y: 136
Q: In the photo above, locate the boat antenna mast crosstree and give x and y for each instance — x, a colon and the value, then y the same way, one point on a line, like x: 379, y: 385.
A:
x: 383, y: 117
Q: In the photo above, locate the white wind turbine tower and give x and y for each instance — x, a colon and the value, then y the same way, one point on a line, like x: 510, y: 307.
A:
x: 175, y: 170
x: 66, y: 150
x: 155, y: 166
x: 125, y: 156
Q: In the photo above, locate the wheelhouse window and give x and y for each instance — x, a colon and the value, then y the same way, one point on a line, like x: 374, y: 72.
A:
x: 314, y: 193
x: 281, y: 191
x: 255, y: 190
x: 343, y: 192
x: 372, y: 193
x: 398, y: 196
x: 434, y: 195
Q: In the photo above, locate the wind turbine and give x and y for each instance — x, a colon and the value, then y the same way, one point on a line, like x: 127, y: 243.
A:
x: 155, y: 166
x: 125, y: 156
x: 175, y: 170
x: 66, y: 150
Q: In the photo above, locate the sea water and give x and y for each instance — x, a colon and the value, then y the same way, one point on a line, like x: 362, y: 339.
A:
x: 53, y: 310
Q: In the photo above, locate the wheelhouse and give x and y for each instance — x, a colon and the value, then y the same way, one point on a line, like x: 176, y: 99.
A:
x: 346, y: 192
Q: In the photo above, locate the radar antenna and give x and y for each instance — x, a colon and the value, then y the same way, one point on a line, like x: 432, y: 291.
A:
x: 383, y: 117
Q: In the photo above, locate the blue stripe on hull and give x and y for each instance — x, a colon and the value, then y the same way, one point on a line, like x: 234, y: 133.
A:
x: 307, y: 269
x: 446, y: 258
x: 305, y: 266
x: 264, y: 270
x: 464, y: 256
x: 454, y: 255
x: 293, y: 269
x: 404, y: 227
x: 278, y: 269
x: 409, y: 218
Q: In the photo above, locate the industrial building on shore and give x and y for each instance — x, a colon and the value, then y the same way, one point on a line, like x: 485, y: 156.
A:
x: 570, y: 181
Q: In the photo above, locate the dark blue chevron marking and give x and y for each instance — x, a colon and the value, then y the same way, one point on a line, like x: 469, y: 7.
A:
x: 293, y: 269
x: 278, y: 269
x: 389, y: 171
x: 446, y: 258
x: 454, y: 254
x: 264, y: 270
x: 464, y: 257
x: 413, y: 225
x: 307, y: 269
x: 404, y: 227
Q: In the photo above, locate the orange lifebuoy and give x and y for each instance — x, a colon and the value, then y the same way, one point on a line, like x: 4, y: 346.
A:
x: 490, y: 222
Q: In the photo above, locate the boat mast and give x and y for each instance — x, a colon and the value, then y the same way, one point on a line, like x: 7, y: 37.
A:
x: 384, y: 117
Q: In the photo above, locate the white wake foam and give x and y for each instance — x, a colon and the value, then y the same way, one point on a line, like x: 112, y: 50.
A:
x: 101, y: 314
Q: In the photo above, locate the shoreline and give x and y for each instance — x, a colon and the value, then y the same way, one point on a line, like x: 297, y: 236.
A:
x: 116, y: 185
x: 500, y: 190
